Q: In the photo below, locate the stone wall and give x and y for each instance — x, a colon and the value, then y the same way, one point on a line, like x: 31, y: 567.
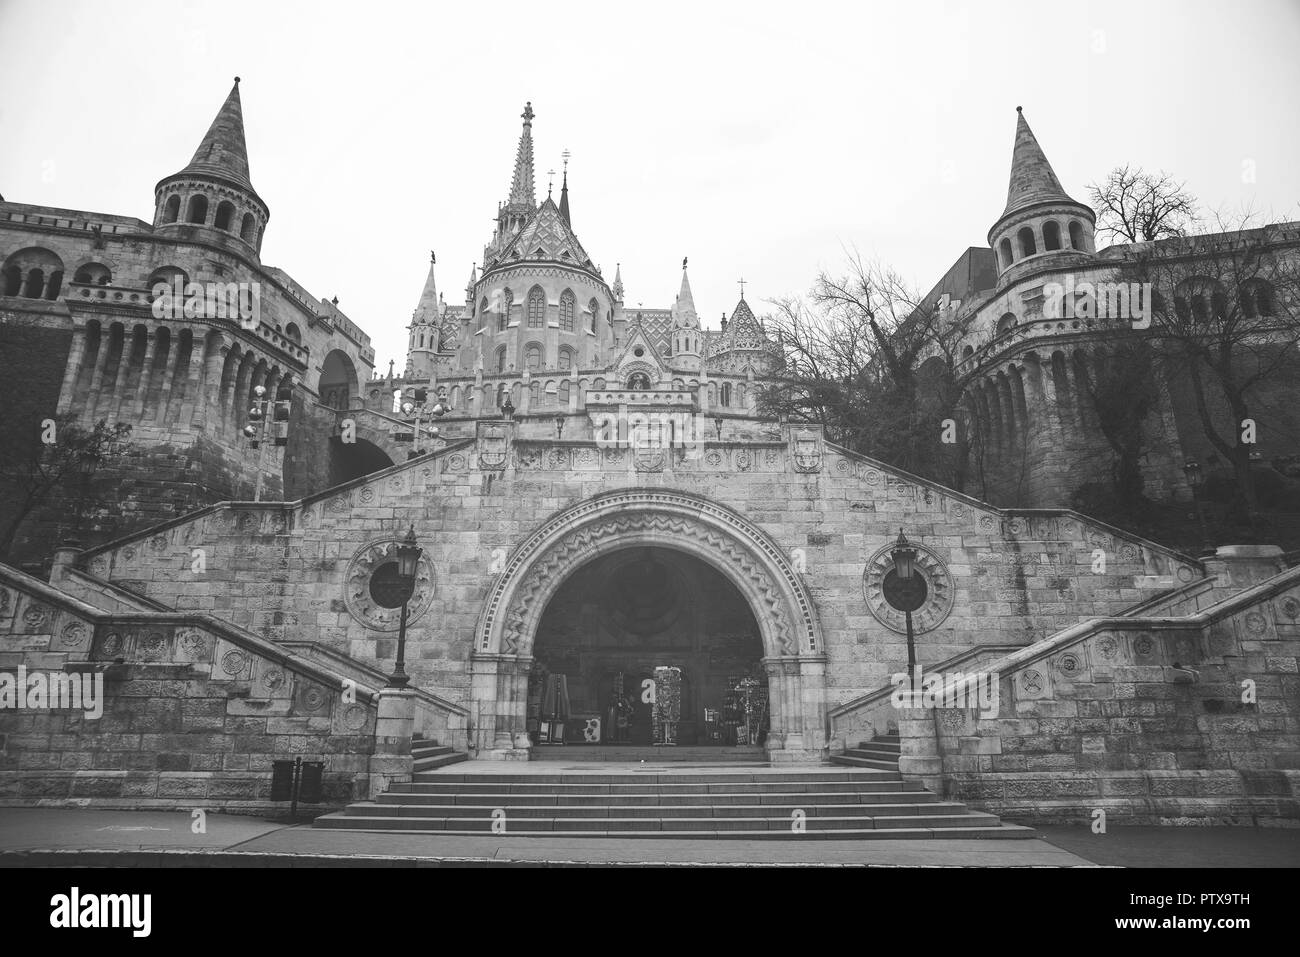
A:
x: 194, y: 712
x: 301, y: 569
x: 1153, y: 720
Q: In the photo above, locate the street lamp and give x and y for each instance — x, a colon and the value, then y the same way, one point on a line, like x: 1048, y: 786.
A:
x: 905, y: 590
x: 403, y: 587
x: 1195, y: 479
x: 415, y: 407
x: 256, y: 433
x: 559, y: 426
x: 508, y: 407
x: 717, y: 424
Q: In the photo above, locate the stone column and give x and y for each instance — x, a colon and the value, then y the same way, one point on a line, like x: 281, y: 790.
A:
x: 919, y: 755
x: 76, y: 355
x: 146, y: 373
x: 391, y: 762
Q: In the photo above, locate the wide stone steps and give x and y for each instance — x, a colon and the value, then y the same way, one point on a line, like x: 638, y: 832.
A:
x: 429, y: 755
x: 822, y: 803
x: 881, y: 752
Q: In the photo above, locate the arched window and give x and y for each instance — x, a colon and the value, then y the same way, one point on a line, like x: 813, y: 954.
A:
x: 198, y: 210
x: 501, y: 359
x: 594, y: 306
x: 1051, y: 234
x: 93, y: 274
x: 1076, y: 235
x: 421, y: 346
x: 247, y: 227
x: 482, y: 313
x: 568, y: 306
x: 1007, y: 257
x: 1256, y: 297
x: 536, y: 308
x: 565, y: 360
x: 1027, y: 245
x: 293, y: 334
x: 225, y: 213
x: 13, y: 280
x: 1008, y: 321
x: 563, y: 393
x: 54, y: 285
x: 534, y: 394
x: 35, y: 284
x: 726, y: 393
x: 172, y: 209
x: 533, y: 356
x: 639, y: 380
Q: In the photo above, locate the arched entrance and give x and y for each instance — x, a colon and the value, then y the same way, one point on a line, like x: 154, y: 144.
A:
x: 338, y: 381
x: 742, y: 554
x: 647, y: 646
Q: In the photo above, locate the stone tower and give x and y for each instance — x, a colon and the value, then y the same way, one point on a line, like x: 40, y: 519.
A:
x: 686, y: 329
x: 213, y: 198
x: 425, y: 329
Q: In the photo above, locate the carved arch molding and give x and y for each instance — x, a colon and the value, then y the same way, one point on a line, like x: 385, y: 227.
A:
x: 713, y: 532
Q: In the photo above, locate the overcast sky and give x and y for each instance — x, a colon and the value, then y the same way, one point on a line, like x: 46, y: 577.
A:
x: 760, y: 139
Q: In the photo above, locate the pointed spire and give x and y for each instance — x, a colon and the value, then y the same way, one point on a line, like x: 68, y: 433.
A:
x: 564, y: 192
x: 427, y: 310
x: 618, y: 282
x: 684, y: 311
x: 1032, y: 178
x: 223, y: 151
x: 522, y: 191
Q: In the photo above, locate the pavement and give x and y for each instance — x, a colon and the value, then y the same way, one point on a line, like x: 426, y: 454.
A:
x: 112, y: 838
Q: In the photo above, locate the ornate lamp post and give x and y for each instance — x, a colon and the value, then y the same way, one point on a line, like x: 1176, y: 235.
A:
x: 905, y: 590
x: 717, y: 425
x: 559, y: 426
x: 402, y: 586
x: 256, y: 433
x: 415, y: 407
x: 1195, y: 479
x: 508, y: 407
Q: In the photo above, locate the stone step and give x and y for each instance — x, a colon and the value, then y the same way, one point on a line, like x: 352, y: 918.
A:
x: 849, y: 760
x: 483, y: 812
x: 429, y: 784
x: 442, y: 759
x: 874, y: 754
x: 765, y: 776
x: 793, y: 799
x: 880, y: 744
x: 682, y: 828
x: 421, y: 749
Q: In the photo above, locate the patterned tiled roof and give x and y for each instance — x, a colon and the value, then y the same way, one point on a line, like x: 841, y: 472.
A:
x: 546, y: 237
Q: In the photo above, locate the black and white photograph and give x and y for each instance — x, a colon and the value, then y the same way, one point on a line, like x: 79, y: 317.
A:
x: 852, y: 437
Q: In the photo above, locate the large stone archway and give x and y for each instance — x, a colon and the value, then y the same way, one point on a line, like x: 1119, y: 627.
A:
x: 792, y: 644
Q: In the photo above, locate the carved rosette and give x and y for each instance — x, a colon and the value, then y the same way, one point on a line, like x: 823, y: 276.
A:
x: 356, y: 587
x: 939, y: 590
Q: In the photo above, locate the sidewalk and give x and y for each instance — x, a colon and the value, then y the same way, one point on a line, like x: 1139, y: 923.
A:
x: 76, y: 837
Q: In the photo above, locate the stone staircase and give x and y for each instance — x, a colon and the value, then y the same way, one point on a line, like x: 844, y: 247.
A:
x: 429, y: 755
x: 817, y: 803
x: 881, y: 753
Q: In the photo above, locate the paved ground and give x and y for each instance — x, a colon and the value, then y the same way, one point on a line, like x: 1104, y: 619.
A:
x: 134, y: 837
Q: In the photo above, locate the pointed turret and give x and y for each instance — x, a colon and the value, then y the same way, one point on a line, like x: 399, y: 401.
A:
x: 618, y: 282
x: 427, y: 309
x: 684, y: 315
x: 425, y: 328
x: 1040, y: 219
x: 564, y: 200
x: 1033, y: 180
x: 522, y: 190
x: 214, y: 190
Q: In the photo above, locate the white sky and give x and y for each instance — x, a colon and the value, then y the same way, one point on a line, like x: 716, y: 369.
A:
x: 760, y: 139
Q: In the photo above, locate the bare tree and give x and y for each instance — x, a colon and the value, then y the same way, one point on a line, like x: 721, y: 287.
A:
x: 873, y: 365
x: 60, y: 458
x: 1135, y: 206
x: 1227, y: 307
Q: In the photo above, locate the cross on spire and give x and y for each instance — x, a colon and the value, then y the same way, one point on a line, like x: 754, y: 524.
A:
x: 550, y: 182
x: 742, y: 288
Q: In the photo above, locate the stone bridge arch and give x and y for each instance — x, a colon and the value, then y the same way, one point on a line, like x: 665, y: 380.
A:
x: 742, y: 552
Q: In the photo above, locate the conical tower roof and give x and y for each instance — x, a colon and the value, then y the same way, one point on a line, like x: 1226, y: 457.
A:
x: 684, y: 309
x: 223, y: 152
x: 1033, y: 181
x: 428, y: 309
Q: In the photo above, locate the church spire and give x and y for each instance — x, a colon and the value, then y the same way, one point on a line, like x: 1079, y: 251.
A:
x: 427, y: 310
x: 564, y: 192
x: 684, y: 310
x: 522, y: 191
x: 618, y: 282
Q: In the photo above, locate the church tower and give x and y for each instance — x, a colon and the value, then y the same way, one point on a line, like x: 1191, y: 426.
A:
x: 686, y: 329
x: 213, y: 198
x: 521, y: 204
x: 425, y: 329
x: 1042, y: 227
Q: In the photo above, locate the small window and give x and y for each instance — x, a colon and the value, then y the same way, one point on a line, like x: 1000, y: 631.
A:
x: 172, y: 211
x: 536, y: 308
x: 565, y: 361
x: 1027, y: 245
x: 247, y: 228
x: 1007, y: 257
x: 501, y: 359
x: 533, y: 356
x: 1051, y: 235
x: 1076, y: 235
x: 225, y: 213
